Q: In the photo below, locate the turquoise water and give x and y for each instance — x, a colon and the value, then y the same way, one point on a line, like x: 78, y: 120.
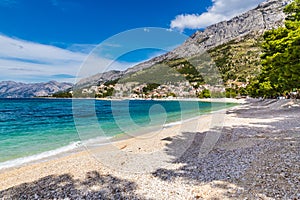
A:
x: 33, y: 126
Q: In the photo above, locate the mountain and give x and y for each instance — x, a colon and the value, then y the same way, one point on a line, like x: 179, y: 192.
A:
x: 223, y: 41
x: 11, y: 89
x: 266, y: 16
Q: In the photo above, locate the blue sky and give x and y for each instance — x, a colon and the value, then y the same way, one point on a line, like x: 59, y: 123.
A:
x: 42, y: 40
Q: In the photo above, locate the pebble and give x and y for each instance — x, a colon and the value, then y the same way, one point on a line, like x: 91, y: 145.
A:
x: 269, y: 169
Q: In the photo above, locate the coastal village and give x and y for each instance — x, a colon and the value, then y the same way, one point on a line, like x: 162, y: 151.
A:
x: 136, y: 90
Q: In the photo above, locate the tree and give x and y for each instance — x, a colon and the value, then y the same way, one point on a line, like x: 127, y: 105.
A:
x: 230, y: 93
x: 281, y: 57
x: 204, y: 94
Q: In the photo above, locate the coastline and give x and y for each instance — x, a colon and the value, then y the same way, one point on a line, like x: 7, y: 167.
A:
x: 212, y: 100
x: 80, y: 147
x: 75, y: 147
x: 253, y: 138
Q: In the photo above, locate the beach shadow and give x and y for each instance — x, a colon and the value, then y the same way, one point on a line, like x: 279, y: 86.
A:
x: 94, y: 186
x: 218, y: 164
x: 262, y: 109
x: 242, y: 156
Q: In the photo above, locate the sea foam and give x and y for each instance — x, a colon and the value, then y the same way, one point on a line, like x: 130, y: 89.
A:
x: 47, y: 154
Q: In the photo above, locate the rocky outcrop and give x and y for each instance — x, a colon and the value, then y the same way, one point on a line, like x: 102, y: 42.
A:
x: 11, y: 89
x: 266, y: 16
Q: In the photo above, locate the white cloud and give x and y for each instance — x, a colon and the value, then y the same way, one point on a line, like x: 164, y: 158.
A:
x: 21, y: 49
x: 28, y: 61
x: 33, y: 62
x: 220, y: 10
x: 23, y: 60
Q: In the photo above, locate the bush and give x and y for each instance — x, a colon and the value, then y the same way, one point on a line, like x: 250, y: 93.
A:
x: 204, y: 94
x: 231, y: 93
x: 62, y: 95
x: 217, y: 94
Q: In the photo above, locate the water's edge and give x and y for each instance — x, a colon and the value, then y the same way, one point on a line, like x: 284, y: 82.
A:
x: 77, y: 146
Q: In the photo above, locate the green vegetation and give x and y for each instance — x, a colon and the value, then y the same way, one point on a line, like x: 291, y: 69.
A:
x: 216, y: 94
x: 160, y: 74
x: 210, y: 94
x: 169, y: 71
x: 171, y: 94
x: 107, y: 93
x: 112, y: 82
x: 238, y: 60
x: 231, y: 93
x: 186, y: 69
x: 281, y: 58
x: 63, y: 94
x: 150, y: 87
x: 204, y: 94
x: 231, y: 64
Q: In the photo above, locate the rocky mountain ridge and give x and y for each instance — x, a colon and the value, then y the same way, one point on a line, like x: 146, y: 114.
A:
x: 266, y: 16
x: 11, y: 89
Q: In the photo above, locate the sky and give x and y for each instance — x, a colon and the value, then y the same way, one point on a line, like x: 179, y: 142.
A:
x: 43, y: 40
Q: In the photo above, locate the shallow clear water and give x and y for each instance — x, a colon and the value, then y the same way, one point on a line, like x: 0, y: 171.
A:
x: 33, y: 126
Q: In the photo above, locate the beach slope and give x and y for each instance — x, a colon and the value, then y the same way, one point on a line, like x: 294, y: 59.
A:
x: 250, y: 151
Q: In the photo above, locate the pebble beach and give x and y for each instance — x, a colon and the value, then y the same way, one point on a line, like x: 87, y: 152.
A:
x: 250, y: 151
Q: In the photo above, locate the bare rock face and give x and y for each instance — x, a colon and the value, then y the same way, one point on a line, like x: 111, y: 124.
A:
x: 11, y: 89
x: 99, y: 78
x: 266, y: 16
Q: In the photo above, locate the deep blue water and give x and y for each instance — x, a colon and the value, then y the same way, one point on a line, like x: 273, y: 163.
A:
x: 32, y: 126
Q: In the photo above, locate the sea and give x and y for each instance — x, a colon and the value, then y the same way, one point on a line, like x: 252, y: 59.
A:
x: 37, y: 128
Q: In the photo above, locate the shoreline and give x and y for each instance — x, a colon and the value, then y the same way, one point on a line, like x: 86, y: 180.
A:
x: 79, y: 146
x: 255, y: 141
x: 76, y: 146
x: 212, y: 100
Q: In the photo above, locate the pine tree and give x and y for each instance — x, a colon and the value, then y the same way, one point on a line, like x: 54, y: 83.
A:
x: 281, y: 57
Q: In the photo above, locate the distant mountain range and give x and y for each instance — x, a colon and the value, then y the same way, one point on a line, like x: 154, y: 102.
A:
x: 11, y: 89
x: 233, y: 45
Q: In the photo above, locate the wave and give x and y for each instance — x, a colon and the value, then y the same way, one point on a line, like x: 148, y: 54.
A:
x: 98, y: 141
x: 171, y: 124
x: 93, y: 142
x: 47, y: 154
